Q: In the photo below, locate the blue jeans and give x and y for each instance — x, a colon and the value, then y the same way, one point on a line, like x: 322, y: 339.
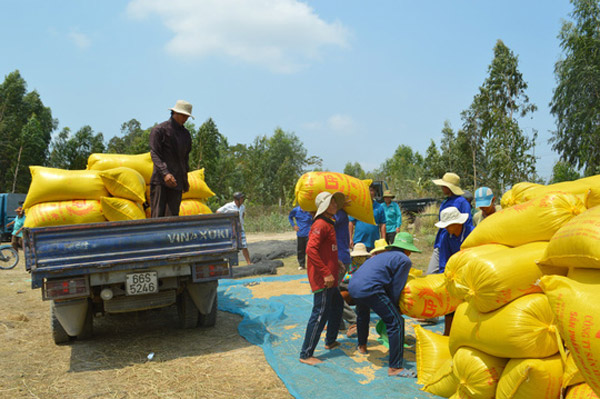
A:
x: 394, y: 323
x: 327, y: 308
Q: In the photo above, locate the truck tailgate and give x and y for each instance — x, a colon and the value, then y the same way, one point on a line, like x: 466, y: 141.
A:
x: 97, y: 247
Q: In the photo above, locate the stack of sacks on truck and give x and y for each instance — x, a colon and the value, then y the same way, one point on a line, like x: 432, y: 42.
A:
x: 504, y: 340
x: 60, y: 197
x: 360, y: 205
x: 193, y: 202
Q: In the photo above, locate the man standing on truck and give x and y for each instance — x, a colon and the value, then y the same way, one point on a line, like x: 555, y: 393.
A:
x: 237, y: 205
x: 170, y: 146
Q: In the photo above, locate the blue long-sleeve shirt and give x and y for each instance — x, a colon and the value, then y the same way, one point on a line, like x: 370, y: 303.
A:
x: 462, y: 205
x: 385, y: 273
x: 449, y: 244
x: 303, y: 220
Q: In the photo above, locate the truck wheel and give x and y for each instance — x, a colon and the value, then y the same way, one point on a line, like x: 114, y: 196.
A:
x: 88, y: 326
x: 187, y: 311
x: 58, y: 332
x: 210, y: 319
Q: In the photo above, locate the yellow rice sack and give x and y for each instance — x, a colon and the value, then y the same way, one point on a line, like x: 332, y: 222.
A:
x: 572, y: 375
x: 116, y: 209
x: 592, y: 198
x: 524, y: 328
x: 464, y: 259
x: 49, y: 184
x: 477, y: 372
x: 500, y: 277
x: 577, y: 310
x: 198, y: 187
x: 527, y: 191
x: 357, y: 191
x: 585, y: 276
x: 516, y: 194
x: 576, y: 243
x: 432, y: 352
x: 193, y: 207
x: 414, y: 273
x: 427, y: 297
x: 59, y: 213
x: 581, y: 391
x: 443, y: 382
x: 142, y: 163
x: 124, y: 182
x: 535, y: 220
x: 531, y: 378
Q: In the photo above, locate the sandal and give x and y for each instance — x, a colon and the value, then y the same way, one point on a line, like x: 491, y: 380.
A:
x: 407, y: 373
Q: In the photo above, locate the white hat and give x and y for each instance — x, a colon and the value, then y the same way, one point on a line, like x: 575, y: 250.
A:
x: 452, y: 181
x: 324, y: 198
x: 182, y: 107
x: 451, y: 215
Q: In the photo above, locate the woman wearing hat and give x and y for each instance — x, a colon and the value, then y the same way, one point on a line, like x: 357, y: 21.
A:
x: 393, y: 216
x: 323, y: 272
x: 451, y: 189
x: 377, y: 286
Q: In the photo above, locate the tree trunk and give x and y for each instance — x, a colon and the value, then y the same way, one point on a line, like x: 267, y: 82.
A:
x: 17, y: 169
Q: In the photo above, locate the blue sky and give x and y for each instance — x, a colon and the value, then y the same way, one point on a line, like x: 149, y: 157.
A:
x: 352, y: 79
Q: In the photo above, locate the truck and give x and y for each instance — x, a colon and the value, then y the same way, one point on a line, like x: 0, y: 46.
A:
x: 8, y: 203
x: 409, y: 206
x: 88, y: 270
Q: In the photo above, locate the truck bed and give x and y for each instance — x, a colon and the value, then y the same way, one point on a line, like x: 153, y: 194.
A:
x: 114, y: 246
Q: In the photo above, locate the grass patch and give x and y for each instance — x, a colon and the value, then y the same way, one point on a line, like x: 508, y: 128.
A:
x: 266, y: 219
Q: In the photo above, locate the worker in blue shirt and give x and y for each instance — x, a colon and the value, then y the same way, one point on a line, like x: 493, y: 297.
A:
x: 365, y: 232
x: 377, y: 286
x: 451, y: 189
x: 301, y: 220
x: 393, y: 216
x: 454, y: 230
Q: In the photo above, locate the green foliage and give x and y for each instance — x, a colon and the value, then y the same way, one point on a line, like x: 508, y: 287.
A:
x: 563, y: 171
x: 73, y: 152
x: 266, y: 219
x: 354, y: 169
x: 404, y: 173
x: 575, y: 102
x: 134, y: 140
x: 23, y: 117
x: 494, y: 142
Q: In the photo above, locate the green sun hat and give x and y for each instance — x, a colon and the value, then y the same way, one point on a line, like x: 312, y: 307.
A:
x: 404, y: 240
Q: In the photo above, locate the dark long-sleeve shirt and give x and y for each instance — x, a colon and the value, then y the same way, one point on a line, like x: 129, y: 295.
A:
x: 170, y: 146
x: 385, y: 273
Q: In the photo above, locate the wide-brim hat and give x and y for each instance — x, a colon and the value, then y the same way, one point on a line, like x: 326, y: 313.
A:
x: 182, y: 107
x: 388, y: 193
x: 360, y: 249
x: 380, y: 245
x: 404, y: 240
x: 483, y: 197
x: 452, y: 181
x: 324, y: 199
x: 451, y: 215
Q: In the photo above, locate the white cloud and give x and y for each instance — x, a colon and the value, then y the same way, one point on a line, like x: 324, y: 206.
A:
x: 282, y: 35
x: 80, y: 40
x: 340, y: 123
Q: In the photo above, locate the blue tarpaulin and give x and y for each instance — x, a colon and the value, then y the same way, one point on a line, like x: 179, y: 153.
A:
x: 275, y: 311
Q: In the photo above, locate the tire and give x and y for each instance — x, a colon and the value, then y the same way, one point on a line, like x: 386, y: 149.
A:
x: 9, y: 258
x: 58, y: 332
x: 187, y: 311
x: 88, y: 327
x: 210, y: 319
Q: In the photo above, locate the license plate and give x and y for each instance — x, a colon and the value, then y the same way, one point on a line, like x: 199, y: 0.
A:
x: 141, y: 283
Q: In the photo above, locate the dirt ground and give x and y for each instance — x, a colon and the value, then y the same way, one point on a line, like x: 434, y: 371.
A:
x: 197, y: 363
